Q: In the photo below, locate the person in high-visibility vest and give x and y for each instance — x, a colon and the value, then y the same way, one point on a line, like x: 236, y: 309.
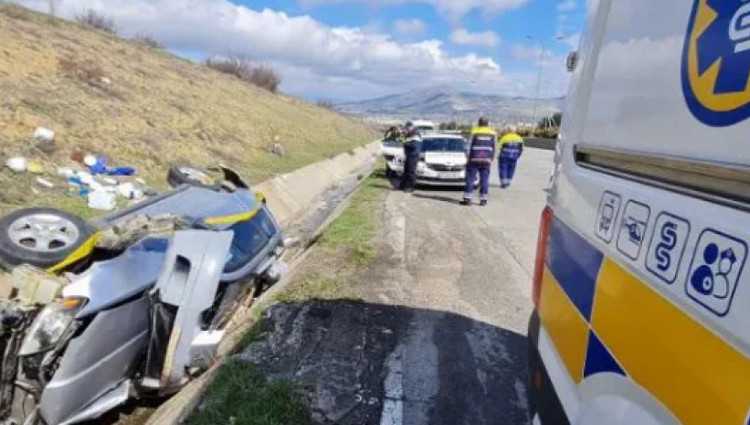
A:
x: 511, y: 149
x: 481, y: 155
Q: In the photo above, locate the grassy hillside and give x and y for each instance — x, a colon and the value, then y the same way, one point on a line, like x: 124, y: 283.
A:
x: 142, y: 107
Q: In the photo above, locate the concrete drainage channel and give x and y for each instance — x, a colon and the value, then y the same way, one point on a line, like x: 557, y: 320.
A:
x: 304, y: 202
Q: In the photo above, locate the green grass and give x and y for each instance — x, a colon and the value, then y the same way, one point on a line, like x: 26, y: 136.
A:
x: 318, y: 287
x: 241, y: 395
x: 253, y: 334
x: 354, y: 231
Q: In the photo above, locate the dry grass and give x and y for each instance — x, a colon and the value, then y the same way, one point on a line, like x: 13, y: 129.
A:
x: 145, y: 108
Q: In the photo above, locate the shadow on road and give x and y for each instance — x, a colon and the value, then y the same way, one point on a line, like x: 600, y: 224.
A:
x: 453, y: 369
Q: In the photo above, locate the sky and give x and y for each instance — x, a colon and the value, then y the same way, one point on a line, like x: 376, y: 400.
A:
x: 347, y: 50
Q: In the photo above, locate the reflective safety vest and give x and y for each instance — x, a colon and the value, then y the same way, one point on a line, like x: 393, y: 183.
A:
x: 511, y: 146
x: 483, y: 141
x: 511, y: 138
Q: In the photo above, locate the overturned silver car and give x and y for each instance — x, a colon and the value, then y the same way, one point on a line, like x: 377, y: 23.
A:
x: 131, y: 306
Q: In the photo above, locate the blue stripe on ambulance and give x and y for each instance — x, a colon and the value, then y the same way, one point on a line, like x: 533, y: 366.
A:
x: 575, y: 263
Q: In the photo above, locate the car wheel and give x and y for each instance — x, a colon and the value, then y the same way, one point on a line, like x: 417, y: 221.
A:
x: 179, y: 175
x: 41, y: 237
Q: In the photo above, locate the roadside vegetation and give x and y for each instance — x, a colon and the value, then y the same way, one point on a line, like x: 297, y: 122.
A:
x: 142, y: 107
x: 344, y: 249
x: 240, y: 394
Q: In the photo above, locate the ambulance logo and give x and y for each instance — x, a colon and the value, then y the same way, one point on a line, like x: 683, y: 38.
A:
x: 716, y: 62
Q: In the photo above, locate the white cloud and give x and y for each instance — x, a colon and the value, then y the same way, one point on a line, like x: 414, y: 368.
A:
x: 572, y: 41
x: 485, y: 39
x: 411, y: 27
x: 567, y: 6
x: 453, y: 9
x: 327, y: 56
x: 528, y: 53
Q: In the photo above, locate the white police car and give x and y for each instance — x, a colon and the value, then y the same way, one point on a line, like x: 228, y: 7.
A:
x: 442, y: 162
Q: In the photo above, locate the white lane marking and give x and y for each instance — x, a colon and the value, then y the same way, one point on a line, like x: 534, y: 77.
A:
x: 393, y: 407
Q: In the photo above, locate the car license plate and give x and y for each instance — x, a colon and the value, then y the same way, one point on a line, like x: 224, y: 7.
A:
x: 451, y: 175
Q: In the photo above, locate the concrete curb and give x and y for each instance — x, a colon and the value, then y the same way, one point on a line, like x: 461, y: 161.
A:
x: 289, y: 197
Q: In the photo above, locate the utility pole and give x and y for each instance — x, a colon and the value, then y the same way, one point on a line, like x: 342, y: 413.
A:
x: 539, y: 78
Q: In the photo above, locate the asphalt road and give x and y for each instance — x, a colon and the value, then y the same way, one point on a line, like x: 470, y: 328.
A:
x: 464, y: 273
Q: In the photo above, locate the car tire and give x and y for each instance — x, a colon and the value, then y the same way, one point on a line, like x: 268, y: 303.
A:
x: 179, y: 175
x: 41, y: 237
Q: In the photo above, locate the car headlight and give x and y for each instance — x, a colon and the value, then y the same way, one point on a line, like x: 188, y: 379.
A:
x: 50, y: 325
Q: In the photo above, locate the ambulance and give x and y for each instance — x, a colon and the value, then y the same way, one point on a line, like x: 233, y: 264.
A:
x: 642, y: 284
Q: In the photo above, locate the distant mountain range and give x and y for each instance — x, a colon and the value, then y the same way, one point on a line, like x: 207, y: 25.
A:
x: 447, y: 105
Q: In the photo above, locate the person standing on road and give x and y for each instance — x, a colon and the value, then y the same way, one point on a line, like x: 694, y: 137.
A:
x: 481, y: 155
x: 511, y: 149
x: 412, y: 151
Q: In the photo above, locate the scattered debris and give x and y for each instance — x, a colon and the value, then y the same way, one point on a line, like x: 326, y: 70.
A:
x: 45, y: 140
x: 6, y: 286
x: 98, y: 165
x: 77, y: 156
x: 129, y: 191
x: 35, y: 167
x: 42, y: 134
x: 18, y: 164
x: 278, y: 149
x: 44, y: 182
x: 102, y: 200
x: 292, y: 242
x: 36, y: 286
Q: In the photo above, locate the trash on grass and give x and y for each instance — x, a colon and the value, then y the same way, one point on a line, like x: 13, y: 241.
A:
x: 18, y: 164
x: 129, y: 191
x: 44, y: 135
x: 98, y: 165
x: 35, y: 167
x: 102, y: 200
x: 44, y: 182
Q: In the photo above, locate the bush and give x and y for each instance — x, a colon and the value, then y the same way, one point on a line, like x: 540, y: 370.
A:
x: 148, y: 41
x: 96, y: 20
x: 261, y: 76
x: 266, y: 78
x: 327, y: 104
